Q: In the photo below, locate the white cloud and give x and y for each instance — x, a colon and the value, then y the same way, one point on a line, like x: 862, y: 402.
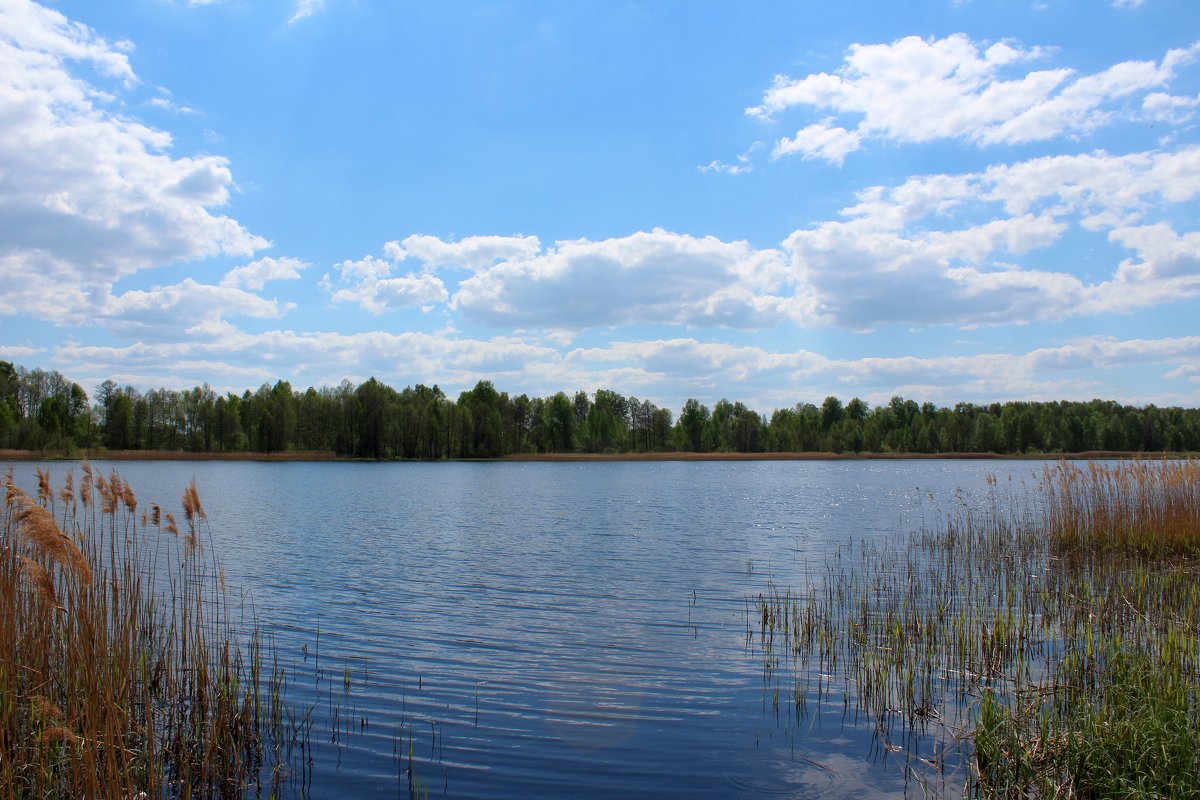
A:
x: 744, y: 165
x: 319, y: 358
x: 863, y: 277
x: 1107, y: 191
x: 909, y: 254
x: 1189, y: 372
x: 666, y: 371
x: 90, y: 196
x: 189, y: 307
x: 367, y: 282
x: 1077, y: 369
x: 256, y: 274
x: 1166, y: 269
x: 12, y: 352
x: 166, y: 104
x: 1079, y: 106
x: 741, y: 168
x: 43, y: 286
x: 306, y: 8
x: 1165, y: 107
x: 820, y: 140
x: 1127, y: 3
x: 963, y: 91
x: 644, y: 278
x: 957, y: 250
x: 409, y: 290
x: 473, y: 252
x: 42, y: 38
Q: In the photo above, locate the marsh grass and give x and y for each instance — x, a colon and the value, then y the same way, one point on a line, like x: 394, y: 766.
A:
x: 1044, y: 645
x: 1133, y: 509
x: 122, y: 671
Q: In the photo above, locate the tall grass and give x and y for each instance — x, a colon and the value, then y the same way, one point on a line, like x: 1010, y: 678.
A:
x: 123, y: 673
x: 1131, y: 509
x: 1045, y: 645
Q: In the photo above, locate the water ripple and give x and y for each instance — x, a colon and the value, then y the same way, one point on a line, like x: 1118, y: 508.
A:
x: 548, y: 629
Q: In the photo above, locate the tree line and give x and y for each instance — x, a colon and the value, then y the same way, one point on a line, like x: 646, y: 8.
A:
x: 42, y: 411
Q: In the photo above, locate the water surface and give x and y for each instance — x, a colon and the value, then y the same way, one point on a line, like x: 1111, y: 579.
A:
x: 554, y: 629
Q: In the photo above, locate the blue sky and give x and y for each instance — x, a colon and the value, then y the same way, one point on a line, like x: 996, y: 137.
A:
x: 771, y: 202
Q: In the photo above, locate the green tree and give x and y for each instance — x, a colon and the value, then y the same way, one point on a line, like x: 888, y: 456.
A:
x: 605, y: 424
x: 118, y: 422
x: 692, y: 422
x: 560, y: 424
x: 831, y: 413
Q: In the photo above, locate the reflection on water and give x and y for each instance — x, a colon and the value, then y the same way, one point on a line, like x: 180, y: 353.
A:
x: 515, y: 630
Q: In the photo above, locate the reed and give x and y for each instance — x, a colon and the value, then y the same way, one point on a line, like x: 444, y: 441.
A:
x: 1135, y: 508
x: 121, y: 672
x: 1046, y: 644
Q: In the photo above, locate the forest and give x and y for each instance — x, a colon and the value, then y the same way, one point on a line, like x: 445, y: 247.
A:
x: 42, y: 411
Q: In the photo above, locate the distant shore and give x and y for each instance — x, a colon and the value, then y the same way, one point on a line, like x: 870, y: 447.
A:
x: 165, y: 455
x: 179, y: 455
x: 812, y: 456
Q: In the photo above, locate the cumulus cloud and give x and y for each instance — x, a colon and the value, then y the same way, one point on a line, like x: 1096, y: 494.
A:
x: 964, y: 91
x: 1189, y: 372
x: 1107, y: 190
x: 89, y: 195
x: 1163, y: 253
x: 256, y: 274
x: 1166, y: 268
x: 43, y: 286
x: 32, y: 33
x: 368, y: 283
x: 13, y: 352
x: 473, y: 252
x: 821, y: 140
x: 187, y: 307
x: 1164, y: 107
x: 864, y: 276
x: 961, y: 249
x: 646, y: 277
x: 909, y: 253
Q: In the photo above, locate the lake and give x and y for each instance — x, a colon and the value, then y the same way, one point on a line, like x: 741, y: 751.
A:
x: 555, y: 629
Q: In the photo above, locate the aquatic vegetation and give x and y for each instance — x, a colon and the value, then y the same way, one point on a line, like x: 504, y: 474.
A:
x: 1047, y: 644
x: 1148, y: 509
x: 122, y: 670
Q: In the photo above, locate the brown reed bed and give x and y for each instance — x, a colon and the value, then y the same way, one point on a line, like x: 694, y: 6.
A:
x: 1044, y: 645
x: 122, y: 671
x: 1147, y: 509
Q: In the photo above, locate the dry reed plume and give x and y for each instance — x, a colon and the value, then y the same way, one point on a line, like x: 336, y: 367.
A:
x: 1144, y: 508
x: 120, y: 670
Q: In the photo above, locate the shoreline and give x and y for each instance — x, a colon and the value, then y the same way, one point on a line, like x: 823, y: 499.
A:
x: 165, y: 455
x: 817, y: 456
x: 323, y: 456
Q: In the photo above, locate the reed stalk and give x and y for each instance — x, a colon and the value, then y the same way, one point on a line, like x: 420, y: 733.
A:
x: 1046, y: 644
x: 121, y: 673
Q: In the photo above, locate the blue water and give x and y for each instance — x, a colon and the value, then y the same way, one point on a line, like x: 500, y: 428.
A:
x: 554, y: 630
